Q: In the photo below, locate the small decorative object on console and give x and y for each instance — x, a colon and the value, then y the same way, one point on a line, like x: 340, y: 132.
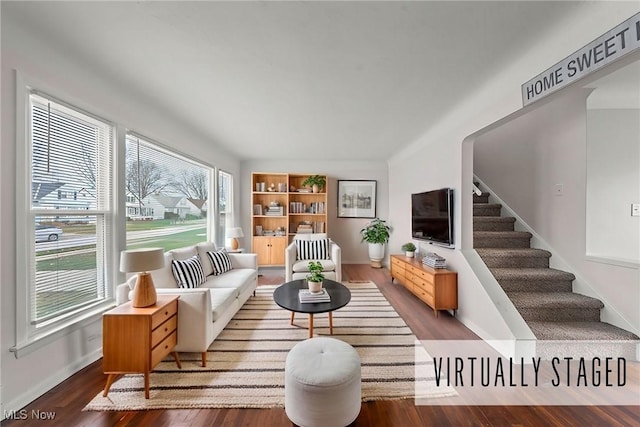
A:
x: 409, y: 249
x: 433, y: 260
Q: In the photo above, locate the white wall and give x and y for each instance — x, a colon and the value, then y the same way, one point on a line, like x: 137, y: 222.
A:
x: 613, y: 183
x: 344, y: 231
x: 73, y: 81
x: 441, y: 158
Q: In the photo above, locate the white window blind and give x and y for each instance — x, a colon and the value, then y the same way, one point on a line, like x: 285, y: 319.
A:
x: 225, y: 203
x: 70, y: 212
x: 167, y: 196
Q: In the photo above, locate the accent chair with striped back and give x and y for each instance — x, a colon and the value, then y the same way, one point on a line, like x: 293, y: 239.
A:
x: 313, y: 247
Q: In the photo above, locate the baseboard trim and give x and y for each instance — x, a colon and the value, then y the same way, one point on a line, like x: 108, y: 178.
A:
x: 19, y: 402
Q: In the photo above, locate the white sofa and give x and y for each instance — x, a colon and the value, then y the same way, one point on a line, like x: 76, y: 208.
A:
x: 203, y: 312
x: 298, y: 269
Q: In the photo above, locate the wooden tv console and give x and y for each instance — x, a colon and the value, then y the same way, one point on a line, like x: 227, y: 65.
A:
x: 437, y: 287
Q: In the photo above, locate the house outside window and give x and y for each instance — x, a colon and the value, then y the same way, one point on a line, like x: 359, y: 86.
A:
x: 68, y: 206
x: 166, y: 196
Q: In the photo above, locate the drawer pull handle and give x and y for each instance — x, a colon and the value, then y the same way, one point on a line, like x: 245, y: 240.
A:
x: 166, y: 313
x: 166, y: 329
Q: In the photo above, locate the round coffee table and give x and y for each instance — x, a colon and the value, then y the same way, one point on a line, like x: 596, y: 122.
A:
x: 286, y: 296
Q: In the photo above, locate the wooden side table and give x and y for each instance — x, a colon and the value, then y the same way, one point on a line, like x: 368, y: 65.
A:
x: 137, y: 339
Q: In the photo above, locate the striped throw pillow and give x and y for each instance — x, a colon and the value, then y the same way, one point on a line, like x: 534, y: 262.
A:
x: 220, y: 261
x: 312, y: 249
x: 188, y: 273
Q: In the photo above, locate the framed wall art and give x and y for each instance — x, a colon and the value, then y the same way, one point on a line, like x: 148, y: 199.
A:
x: 356, y: 199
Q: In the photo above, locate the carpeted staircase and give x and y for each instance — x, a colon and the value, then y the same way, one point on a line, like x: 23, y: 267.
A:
x: 542, y: 295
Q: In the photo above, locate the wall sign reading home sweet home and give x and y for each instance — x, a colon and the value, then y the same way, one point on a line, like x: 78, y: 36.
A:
x: 609, y: 47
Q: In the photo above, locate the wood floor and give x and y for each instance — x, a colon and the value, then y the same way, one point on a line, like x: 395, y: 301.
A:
x: 68, y: 399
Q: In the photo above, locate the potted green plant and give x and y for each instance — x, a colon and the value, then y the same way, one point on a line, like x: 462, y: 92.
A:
x: 409, y: 248
x: 315, y: 276
x: 316, y: 182
x: 376, y: 234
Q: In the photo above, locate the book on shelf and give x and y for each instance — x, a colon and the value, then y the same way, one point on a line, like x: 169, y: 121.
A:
x: 257, y: 209
x: 304, y: 229
x: 306, y: 296
x: 275, y: 211
x: 297, y: 207
x: 316, y: 208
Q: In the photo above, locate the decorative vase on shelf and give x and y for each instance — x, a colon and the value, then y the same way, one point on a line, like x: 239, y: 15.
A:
x: 315, y: 188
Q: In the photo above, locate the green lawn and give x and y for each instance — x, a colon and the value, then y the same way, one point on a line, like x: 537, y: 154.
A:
x: 67, y: 260
x: 148, y: 225
x: 172, y: 241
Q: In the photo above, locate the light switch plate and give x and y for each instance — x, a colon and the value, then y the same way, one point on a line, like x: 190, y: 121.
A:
x: 635, y: 209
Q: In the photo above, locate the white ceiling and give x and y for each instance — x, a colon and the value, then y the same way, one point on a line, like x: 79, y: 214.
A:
x: 266, y: 80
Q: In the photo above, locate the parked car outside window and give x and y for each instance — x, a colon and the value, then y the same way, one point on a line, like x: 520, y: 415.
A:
x: 47, y: 233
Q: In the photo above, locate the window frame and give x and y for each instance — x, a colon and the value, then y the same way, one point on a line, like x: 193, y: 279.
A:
x: 30, y: 337
x: 211, y: 220
x: 229, y: 211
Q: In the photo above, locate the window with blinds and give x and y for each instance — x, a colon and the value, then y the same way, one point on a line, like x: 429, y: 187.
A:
x: 225, y: 204
x: 167, y: 196
x: 70, y: 210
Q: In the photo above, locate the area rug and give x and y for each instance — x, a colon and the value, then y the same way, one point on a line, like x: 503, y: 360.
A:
x: 245, y: 364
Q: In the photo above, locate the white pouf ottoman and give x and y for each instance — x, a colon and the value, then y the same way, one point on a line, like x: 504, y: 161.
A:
x: 322, y: 383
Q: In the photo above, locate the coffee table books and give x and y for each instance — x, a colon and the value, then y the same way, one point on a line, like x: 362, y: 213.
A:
x: 306, y: 296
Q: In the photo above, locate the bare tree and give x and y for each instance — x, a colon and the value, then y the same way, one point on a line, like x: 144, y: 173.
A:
x: 193, y: 184
x: 144, y: 177
x: 86, y: 166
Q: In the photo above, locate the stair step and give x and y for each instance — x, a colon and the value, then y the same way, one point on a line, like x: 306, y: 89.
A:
x: 582, y: 331
x: 583, y: 339
x: 486, y: 209
x: 556, y: 306
x: 501, y: 239
x: 515, y: 258
x: 493, y: 223
x: 533, y: 279
x: 482, y: 198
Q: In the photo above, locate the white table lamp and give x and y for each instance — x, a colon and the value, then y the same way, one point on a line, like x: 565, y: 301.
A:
x: 142, y: 261
x: 233, y: 233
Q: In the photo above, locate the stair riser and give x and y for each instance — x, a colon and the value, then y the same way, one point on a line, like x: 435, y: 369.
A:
x: 547, y: 350
x: 481, y: 199
x: 535, y: 286
x: 480, y: 225
x: 565, y: 314
x: 501, y: 242
x: 486, y: 210
x: 515, y: 262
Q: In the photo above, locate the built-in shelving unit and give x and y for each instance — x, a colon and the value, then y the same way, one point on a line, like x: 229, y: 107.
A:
x: 281, y: 208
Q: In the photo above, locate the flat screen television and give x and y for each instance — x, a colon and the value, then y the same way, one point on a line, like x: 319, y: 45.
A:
x: 432, y: 216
